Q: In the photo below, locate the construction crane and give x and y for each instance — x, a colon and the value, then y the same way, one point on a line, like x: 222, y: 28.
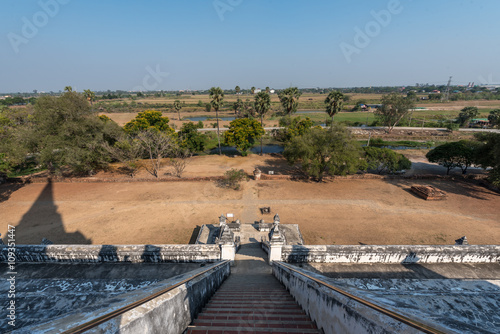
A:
x: 447, y: 94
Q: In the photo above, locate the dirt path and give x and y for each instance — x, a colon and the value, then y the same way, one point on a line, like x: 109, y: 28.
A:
x: 335, y: 212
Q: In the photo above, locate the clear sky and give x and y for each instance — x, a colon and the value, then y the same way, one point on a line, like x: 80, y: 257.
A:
x: 100, y: 45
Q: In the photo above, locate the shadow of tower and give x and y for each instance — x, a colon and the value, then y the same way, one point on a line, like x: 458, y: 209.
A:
x: 43, y: 221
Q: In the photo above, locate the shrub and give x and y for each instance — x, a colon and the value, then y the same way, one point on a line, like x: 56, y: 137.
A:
x: 232, y: 179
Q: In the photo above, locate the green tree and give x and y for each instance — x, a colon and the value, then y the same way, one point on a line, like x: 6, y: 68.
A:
x: 178, y: 107
x: 331, y: 151
x: 466, y: 115
x: 385, y: 160
x: 262, y: 106
x: 65, y: 132
x: 252, y: 90
x: 191, y: 139
x: 208, y: 107
x: 89, y: 95
x: 289, y: 99
x: 217, y: 96
x: 242, y: 133
x: 268, y: 90
x: 68, y: 89
x: 333, y: 103
x: 455, y: 154
x: 293, y: 127
x: 237, y: 89
x: 494, y: 117
x: 411, y: 95
x: 394, y: 109
x: 488, y: 155
x: 149, y: 119
x: 237, y: 106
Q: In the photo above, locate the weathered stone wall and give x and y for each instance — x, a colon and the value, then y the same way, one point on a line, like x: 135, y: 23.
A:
x: 334, y: 312
x: 171, y: 312
x: 391, y: 254
x: 114, y: 253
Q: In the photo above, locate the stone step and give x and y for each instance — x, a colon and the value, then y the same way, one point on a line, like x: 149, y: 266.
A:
x: 256, y: 305
x: 289, y: 323
x: 253, y: 311
x: 248, y: 330
x: 257, y: 316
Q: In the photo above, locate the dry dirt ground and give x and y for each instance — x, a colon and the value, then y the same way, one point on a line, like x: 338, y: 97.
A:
x: 335, y: 212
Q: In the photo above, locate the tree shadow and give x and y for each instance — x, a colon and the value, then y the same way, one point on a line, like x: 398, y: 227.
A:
x: 279, y: 166
x: 44, y: 221
x: 7, y: 189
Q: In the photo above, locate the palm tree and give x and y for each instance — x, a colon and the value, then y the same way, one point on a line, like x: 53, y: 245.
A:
x: 217, y: 96
x: 68, y: 89
x: 90, y: 95
x: 237, y: 106
x: 252, y: 90
x: 289, y: 99
x: 262, y: 106
x: 268, y: 90
x: 178, y: 107
x: 237, y: 89
x: 334, y: 102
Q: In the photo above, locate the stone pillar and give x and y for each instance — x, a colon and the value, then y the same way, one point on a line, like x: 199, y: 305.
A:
x: 227, y: 245
x: 276, y: 242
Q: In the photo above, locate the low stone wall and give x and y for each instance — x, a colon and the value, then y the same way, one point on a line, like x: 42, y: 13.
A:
x: 391, y: 254
x: 171, y: 312
x: 332, y: 311
x: 113, y: 253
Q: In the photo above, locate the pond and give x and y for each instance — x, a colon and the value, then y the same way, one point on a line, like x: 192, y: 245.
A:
x: 204, y: 118
x: 267, y: 149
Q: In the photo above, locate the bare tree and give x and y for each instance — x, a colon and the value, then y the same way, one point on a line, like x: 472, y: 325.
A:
x: 127, y: 151
x: 180, y: 162
x: 156, y: 145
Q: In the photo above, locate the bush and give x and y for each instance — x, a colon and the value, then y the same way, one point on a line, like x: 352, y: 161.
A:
x: 232, y: 179
x: 452, y: 127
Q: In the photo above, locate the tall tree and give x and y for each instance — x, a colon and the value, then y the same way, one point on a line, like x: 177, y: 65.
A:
x: 149, y: 119
x: 268, y: 89
x: 89, y: 95
x: 262, y: 106
x: 66, y: 132
x: 217, y: 96
x: 242, y: 133
x: 237, y: 106
x: 289, y: 99
x: 178, y: 107
x: 488, y: 155
x: 156, y: 145
x: 237, y: 89
x: 334, y: 102
x: 394, y: 108
x: 466, y: 115
x: 494, y: 117
x: 324, y: 151
x: 252, y: 90
x: 455, y: 154
x: 68, y: 89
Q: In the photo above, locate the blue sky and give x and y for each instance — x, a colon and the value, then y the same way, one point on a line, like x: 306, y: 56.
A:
x: 113, y: 45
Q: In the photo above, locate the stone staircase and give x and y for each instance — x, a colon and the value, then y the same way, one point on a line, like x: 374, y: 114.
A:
x: 252, y: 304
x: 252, y: 300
